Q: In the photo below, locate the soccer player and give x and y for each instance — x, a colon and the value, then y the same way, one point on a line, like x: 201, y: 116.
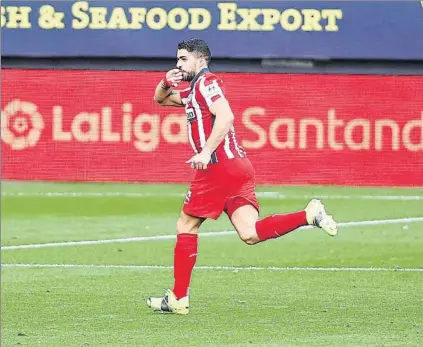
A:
x: 224, y: 178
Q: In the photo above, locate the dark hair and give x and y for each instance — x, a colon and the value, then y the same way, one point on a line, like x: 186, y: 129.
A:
x: 198, y: 46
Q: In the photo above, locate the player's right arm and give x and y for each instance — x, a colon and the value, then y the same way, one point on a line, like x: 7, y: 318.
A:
x: 164, y: 94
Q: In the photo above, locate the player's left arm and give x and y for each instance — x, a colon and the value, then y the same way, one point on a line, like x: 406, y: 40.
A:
x: 222, y: 124
x: 224, y: 118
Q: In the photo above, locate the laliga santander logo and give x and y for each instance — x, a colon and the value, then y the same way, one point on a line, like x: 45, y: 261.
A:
x: 21, y: 124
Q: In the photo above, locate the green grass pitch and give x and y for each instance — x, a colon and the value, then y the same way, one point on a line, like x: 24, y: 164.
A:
x: 371, y: 293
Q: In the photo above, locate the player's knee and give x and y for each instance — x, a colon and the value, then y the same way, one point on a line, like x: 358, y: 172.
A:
x: 249, y: 236
x: 244, y: 220
x: 182, y: 227
x: 185, y: 225
x: 250, y: 241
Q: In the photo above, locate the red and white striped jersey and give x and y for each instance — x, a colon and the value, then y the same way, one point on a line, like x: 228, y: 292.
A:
x: 205, y: 89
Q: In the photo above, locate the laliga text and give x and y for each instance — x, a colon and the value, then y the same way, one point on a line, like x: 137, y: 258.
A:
x: 255, y: 126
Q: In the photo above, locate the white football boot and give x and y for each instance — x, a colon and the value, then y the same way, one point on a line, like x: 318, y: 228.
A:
x: 317, y: 216
x: 169, y: 303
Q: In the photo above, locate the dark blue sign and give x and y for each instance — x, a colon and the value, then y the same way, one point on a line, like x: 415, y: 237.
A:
x: 243, y: 29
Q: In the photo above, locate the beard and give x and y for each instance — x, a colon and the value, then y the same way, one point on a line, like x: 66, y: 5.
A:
x: 188, y: 76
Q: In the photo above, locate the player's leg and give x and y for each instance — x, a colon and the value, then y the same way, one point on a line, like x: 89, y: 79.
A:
x: 185, y: 256
x: 244, y: 220
x: 244, y: 216
x: 242, y: 208
x: 204, y: 200
x: 185, y: 252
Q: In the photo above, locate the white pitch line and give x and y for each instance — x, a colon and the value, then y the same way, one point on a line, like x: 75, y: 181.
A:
x: 264, y: 195
x: 224, y: 268
x: 122, y: 240
x: 206, y: 234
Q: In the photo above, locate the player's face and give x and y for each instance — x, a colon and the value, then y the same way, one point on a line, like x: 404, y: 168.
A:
x: 187, y: 63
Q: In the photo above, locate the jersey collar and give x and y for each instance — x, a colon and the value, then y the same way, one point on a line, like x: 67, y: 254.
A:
x: 197, y: 76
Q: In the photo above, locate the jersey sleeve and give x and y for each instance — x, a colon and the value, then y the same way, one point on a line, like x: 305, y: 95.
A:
x: 184, y: 95
x: 212, y: 89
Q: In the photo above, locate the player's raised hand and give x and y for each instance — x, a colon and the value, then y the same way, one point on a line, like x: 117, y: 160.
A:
x: 200, y: 160
x: 173, y: 77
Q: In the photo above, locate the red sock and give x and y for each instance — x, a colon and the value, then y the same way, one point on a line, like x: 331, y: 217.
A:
x: 279, y: 224
x: 185, y: 256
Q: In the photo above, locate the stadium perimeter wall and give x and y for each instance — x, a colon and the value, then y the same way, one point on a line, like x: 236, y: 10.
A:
x: 338, y: 121
x: 99, y: 125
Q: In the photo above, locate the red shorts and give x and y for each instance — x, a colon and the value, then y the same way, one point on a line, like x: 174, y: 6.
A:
x: 222, y: 187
